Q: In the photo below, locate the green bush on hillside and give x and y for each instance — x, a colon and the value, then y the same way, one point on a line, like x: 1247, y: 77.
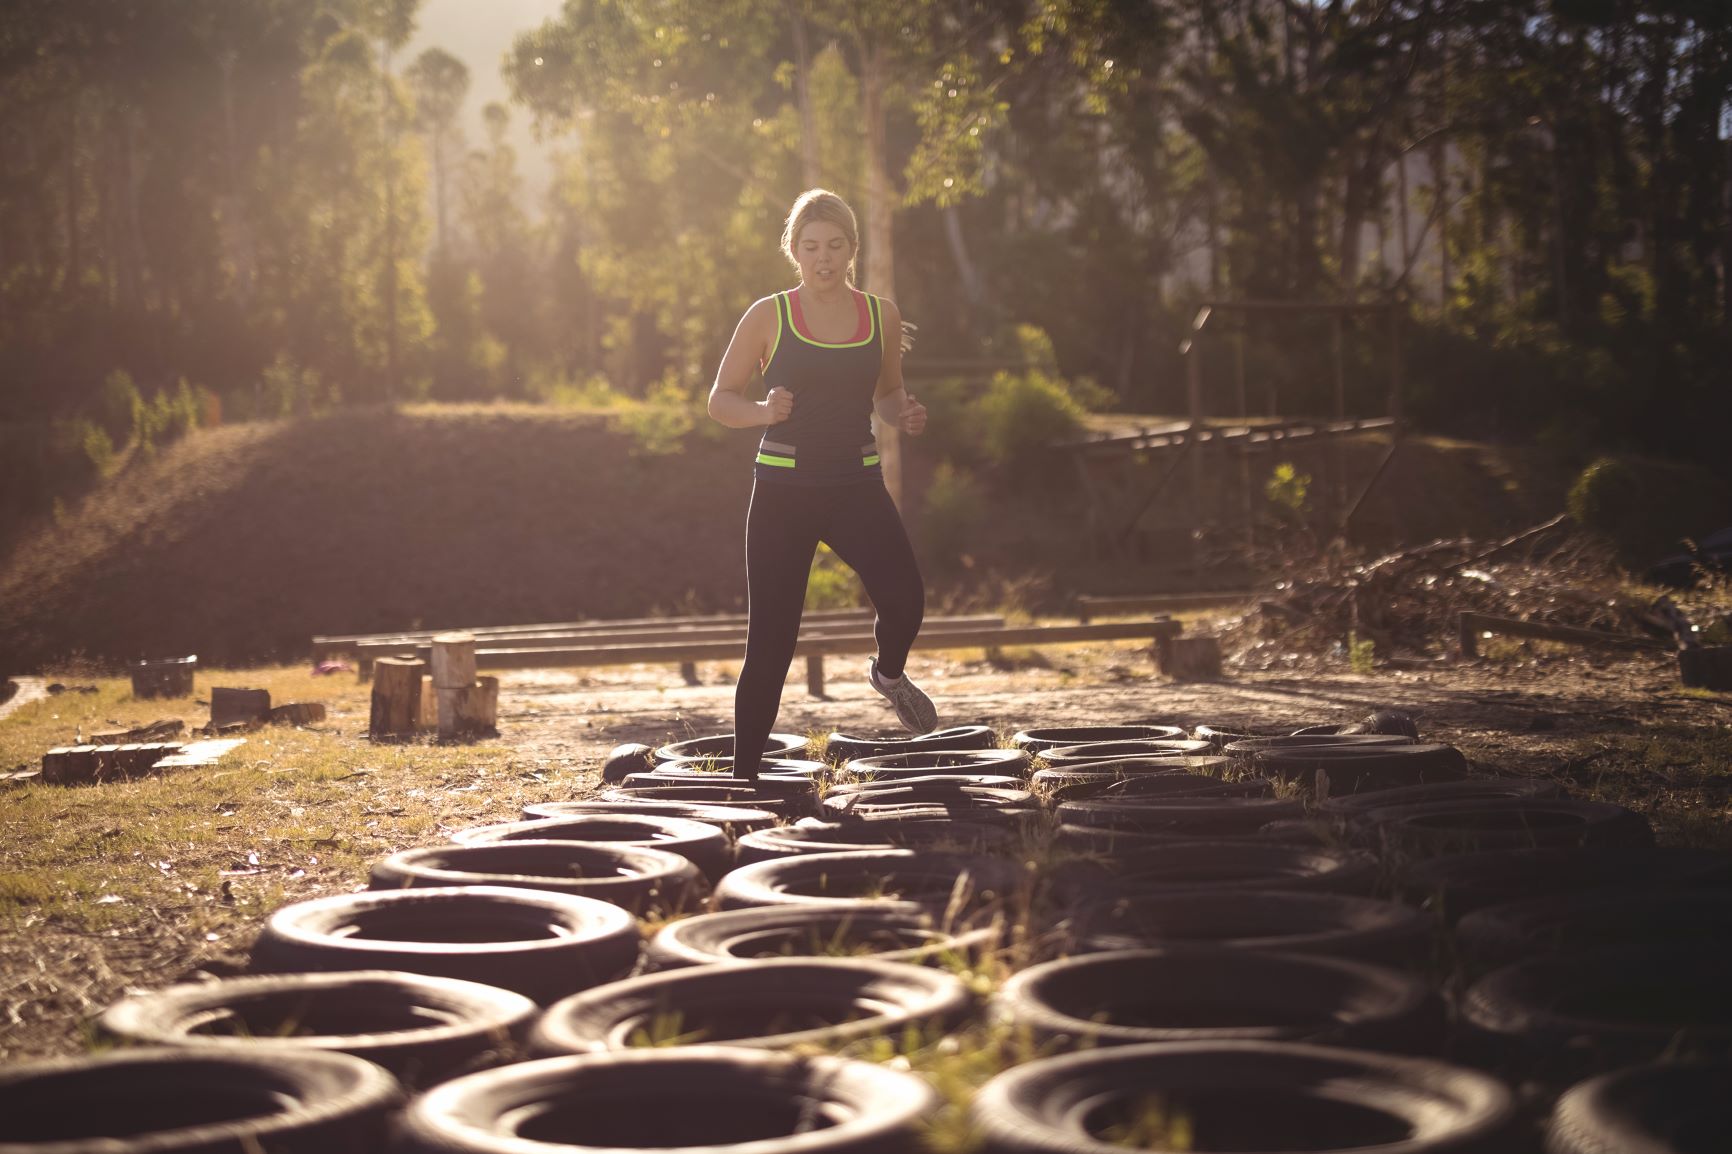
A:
x: 1645, y: 507
x: 952, y: 513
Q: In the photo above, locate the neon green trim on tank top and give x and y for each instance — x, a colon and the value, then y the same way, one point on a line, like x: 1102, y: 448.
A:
x: 771, y: 459
x: 871, y: 326
x: 777, y: 343
x: 867, y: 462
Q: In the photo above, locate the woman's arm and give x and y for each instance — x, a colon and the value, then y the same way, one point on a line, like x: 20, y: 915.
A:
x: 751, y: 344
x: 895, y: 405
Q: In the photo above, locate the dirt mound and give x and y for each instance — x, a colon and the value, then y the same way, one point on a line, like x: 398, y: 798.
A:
x: 240, y: 543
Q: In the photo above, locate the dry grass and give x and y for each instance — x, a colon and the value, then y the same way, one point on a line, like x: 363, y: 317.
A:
x: 177, y: 872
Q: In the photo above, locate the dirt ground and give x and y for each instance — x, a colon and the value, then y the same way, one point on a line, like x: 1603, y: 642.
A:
x: 1594, y: 726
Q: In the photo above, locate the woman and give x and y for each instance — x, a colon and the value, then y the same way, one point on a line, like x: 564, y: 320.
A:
x: 831, y: 355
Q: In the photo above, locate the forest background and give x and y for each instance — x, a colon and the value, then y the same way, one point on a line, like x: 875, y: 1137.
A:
x: 215, y: 211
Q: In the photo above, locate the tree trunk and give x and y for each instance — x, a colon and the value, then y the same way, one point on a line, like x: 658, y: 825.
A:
x: 390, y: 225
x: 810, y: 170
x: 396, y: 702
x: 74, y: 254
x: 880, y: 257
x: 973, y: 287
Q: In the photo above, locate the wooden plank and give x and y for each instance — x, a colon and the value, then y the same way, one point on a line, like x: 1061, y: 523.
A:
x: 1471, y: 626
x: 1106, y: 606
x: 672, y: 652
x: 683, y: 633
x: 345, y: 642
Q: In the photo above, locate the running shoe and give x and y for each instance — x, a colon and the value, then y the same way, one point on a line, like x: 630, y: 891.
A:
x: 913, y: 708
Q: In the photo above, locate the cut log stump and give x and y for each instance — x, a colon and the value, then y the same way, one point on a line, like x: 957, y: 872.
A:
x: 453, y: 660
x: 396, y: 696
x: 1189, y: 658
x: 228, y: 706
x: 470, y: 711
x: 170, y: 677
x: 1706, y: 667
x: 298, y: 713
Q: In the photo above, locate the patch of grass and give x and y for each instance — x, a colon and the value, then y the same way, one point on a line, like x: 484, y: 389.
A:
x: 290, y: 814
x: 1679, y: 775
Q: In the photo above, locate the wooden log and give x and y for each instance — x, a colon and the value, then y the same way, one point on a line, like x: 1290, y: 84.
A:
x: 1470, y: 627
x: 1090, y: 607
x: 228, y: 706
x: 1189, y: 658
x: 170, y: 677
x: 396, y: 697
x: 815, y: 674
x: 1701, y: 667
x: 298, y: 713
x: 453, y: 660
x: 155, y: 731
x: 427, y: 712
x: 470, y: 711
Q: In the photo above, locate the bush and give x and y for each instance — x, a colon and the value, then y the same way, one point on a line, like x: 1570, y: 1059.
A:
x: 1645, y: 507
x: 1021, y: 413
x: 831, y: 584
x: 117, y: 406
x: 951, y: 514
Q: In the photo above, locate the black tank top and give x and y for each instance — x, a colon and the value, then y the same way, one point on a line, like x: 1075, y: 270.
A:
x: 827, y: 439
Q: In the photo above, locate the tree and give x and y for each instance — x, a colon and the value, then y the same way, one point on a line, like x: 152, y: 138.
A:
x: 439, y: 81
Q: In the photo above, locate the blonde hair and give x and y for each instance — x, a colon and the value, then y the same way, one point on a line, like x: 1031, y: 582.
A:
x: 818, y: 204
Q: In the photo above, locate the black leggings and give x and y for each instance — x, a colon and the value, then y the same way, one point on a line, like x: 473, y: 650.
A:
x: 783, y: 528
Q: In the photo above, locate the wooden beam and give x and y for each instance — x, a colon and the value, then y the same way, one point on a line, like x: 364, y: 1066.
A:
x: 1471, y: 626
x: 1091, y: 606
x: 731, y: 650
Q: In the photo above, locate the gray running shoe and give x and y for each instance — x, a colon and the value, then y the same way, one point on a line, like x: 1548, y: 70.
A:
x: 913, y: 708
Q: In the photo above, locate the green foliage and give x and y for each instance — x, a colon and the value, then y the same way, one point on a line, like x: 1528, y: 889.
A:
x: 118, y: 404
x: 1361, y: 653
x: 1021, y: 413
x: 659, y: 424
x: 1645, y: 507
x: 1288, y: 490
x: 831, y: 584
x: 96, y: 445
x: 953, y: 515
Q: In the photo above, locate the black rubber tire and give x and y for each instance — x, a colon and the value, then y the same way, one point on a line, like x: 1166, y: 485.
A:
x: 172, y: 1101
x: 1204, y: 994
x: 1233, y: 816
x: 843, y: 837
x: 702, y: 769
x: 1332, y: 771
x: 728, y: 1098
x: 1559, y: 923
x: 1246, y: 1096
x: 938, y: 781
x: 843, y: 747
x: 1458, y: 885
x: 635, y: 878
x: 1339, y: 925
x: 1353, y: 807
x: 931, y: 880
x: 792, y: 791
x: 1663, y: 1109
x: 717, y: 795
x: 722, y: 745
x: 1037, y: 741
x: 851, y: 929
x: 700, y: 843
x: 772, y: 1004
x: 1514, y: 823
x: 999, y: 762
x: 1564, y: 1017
x: 1251, y: 747
x: 628, y: 757
x: 1062, y: 785
x: 539, y: 944
x: 1219, y: 867
x: 915, y: 794
x: 1089, y: 753
x: 420, y: 1028
x: 732, y: 820
x: 1221, y: 736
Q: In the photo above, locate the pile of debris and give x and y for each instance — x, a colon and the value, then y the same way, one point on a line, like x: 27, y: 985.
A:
x: 1436, y: 599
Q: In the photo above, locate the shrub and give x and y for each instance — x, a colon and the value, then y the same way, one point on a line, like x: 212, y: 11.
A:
x: 831, y: 584
x: 951, y: 514
x: 1644, y: 507
x: 117, y: 405
x: 97, y: 445
x: 1022, y: 412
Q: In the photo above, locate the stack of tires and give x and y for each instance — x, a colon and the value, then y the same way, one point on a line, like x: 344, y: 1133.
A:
x: 1199, y: 938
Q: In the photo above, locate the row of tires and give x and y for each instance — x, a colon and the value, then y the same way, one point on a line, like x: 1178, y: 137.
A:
x: 1232, y: 973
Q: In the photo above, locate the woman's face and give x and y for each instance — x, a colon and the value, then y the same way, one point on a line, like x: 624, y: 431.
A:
x: 823, y: 253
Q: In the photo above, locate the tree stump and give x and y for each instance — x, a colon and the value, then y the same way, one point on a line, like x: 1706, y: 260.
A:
x: 1706, y: 667
x: 228, y: 706
x: 470, y: 711
x: 170, y: 677
x: 396, y: 696
x: 1189, y: 658
x: 453, y: 660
